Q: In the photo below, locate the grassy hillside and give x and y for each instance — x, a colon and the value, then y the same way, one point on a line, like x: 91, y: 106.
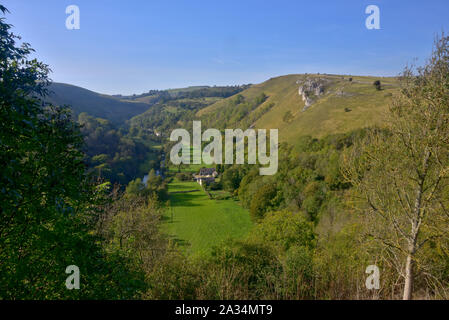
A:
x: 345, y: 105
x: 187, y: 89
x: 118, y: 109
x: 199, y: 222
x: 95, y: 104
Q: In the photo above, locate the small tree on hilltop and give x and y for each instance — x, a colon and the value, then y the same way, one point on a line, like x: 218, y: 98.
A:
x: 377, y: 85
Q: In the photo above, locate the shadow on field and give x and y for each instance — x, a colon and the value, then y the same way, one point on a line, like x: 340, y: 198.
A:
x: 185, y: 200
x: 184, y: 191
x: 180, y: 187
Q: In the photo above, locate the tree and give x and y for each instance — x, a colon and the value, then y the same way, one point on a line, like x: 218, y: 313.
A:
x: 263, y: 200
x: 377, y: 85
x: 47, y: 203
x: 402, y: 173
x: 314, y: 196
x: 133, y: 226
x: 283, y: 230
x: 231, y: 178
x: 135, y: 188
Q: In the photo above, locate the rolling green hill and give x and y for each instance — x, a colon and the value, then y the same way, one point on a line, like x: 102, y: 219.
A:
x: 343, y: 106
x: 345, y: 103
x: 95, y: 104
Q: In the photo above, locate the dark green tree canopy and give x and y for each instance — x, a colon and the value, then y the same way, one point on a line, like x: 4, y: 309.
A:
x: 46, y: 200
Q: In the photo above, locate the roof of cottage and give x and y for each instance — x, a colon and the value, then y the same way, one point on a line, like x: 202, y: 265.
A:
x: 206, y: 171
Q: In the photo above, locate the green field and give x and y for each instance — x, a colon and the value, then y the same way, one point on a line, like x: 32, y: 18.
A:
x: 196, y: 223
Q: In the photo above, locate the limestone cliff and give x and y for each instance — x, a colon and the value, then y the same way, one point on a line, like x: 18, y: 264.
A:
x: 311, y: 90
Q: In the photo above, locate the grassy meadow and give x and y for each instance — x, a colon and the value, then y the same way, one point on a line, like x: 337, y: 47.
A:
x: 196, y: 222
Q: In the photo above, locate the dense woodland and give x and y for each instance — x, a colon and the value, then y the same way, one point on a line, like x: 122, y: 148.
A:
x: 71, y: 193
x: 177, y: 108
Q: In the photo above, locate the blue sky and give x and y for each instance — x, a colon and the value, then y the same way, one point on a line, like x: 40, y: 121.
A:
x: 134, y: 46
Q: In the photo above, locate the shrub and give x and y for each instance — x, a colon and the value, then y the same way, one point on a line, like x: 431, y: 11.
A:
x: 287, y: 116
x: 183, y: 176
x: 262, y: 200
x: 215, y: 185
x: 377, y: 85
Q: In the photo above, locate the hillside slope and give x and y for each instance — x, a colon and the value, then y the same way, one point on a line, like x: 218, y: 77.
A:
x: 95, y: 104
x: 175, y: 108
x: 342, y: 106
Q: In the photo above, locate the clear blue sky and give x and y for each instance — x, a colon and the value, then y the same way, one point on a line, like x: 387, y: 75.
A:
x: 134, y: 46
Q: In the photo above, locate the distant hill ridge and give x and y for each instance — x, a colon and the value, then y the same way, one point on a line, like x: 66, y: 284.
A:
x: 118, y: 109
x: 95, y: 104
x: 296, y: 104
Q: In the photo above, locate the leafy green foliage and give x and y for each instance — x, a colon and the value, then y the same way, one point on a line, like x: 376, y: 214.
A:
x: 262, y: 201
x: 176, y: 108
x: 112, y: 155
x: 284, y: 230
x: 46, y: 200
x: 155, y: 187
x: 231, y: 178
x: 238, y: 113
x: 305, y: 180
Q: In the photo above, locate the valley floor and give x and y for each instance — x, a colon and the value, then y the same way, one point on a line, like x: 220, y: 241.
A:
x: 197, y: 223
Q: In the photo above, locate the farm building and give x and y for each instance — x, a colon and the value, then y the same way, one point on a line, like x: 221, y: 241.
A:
x: 206, y: 176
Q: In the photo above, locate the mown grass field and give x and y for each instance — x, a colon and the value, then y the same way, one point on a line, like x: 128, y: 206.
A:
x: 197, y: 223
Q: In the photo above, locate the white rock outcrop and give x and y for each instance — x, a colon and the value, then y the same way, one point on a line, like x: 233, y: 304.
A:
x: 311, y: 89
